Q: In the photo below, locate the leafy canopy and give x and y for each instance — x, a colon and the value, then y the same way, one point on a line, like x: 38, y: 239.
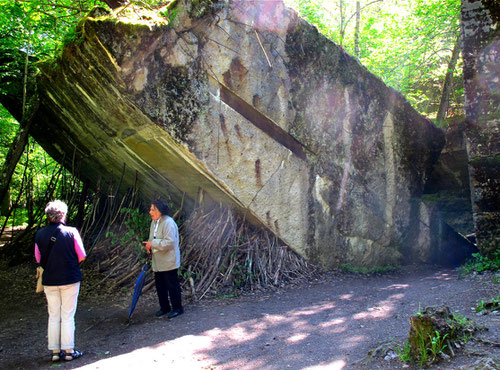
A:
x: 406, y: 43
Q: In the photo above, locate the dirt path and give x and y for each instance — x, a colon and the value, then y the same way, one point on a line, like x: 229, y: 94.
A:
x: 332, y: 323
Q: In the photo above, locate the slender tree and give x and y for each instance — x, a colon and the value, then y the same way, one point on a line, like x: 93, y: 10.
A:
x: 448, y: 84
x: 356, y: 29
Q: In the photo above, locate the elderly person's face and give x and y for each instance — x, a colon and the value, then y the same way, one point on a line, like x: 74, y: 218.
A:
x: 154, y: 213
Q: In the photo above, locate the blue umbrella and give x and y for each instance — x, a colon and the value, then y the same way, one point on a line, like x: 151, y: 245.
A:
x: 138, y: 289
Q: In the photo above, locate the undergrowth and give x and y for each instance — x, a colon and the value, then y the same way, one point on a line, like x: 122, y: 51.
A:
x: 430, y: 347
x: 480, y: 263
x: 492, y: 305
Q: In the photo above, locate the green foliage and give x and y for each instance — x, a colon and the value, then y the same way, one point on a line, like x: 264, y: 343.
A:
x: 170, y: 14
x: 200, y: 8
x: 376, y: 270
x: 492, y: 304
x: 31, y: 31
x: 8, y: 128
x: 137, y: 223
x: 429, y: 348
x: 480, y: 263
x: 419, y: 311
x: 40, y: 25
x: 422, y: 349
x: 186, y: 274
x: 460, y: 319
x: 404, y: 353
x: 437, y: 345
x: 135, y: 232
x: 408, y: 44
x: 36, y: 179
x: 462, y: 328
x: 241, y: 275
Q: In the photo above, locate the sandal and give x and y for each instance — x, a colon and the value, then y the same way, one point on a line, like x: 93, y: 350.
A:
x: 70, y: 356
x: 55, y: 356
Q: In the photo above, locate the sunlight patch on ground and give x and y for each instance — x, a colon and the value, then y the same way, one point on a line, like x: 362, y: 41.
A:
x: 346, y: 297
x: 396, y: 286
x: 331, y: 323
x: 176, y: 354
x: 382, y: 310
x: 440, y: 276
x: 443, y: 276
x: 297, y: 327
x: 297, y: 338
x: 353, y: 341
x: 311, y: 310
x: 240, y: 333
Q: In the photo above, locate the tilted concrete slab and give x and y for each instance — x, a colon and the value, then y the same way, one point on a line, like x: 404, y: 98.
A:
x: 249, y: 103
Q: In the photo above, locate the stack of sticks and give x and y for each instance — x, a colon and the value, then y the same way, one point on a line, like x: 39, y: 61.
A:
x: 220, y: 252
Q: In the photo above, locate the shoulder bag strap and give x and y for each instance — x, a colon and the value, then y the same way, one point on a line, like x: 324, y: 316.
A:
x: 53, y: 239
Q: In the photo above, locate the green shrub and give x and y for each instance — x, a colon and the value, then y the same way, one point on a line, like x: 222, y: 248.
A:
x: 480, y: 263
x: 492, y: 304
x: 404, y: 352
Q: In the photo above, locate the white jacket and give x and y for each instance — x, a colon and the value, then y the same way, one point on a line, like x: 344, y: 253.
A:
x: 165, y: 244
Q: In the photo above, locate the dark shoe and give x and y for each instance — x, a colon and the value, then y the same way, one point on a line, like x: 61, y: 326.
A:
x: 70, y: 356
x: 161, y: 313
x: 56, y: 356
x: 175, y: 313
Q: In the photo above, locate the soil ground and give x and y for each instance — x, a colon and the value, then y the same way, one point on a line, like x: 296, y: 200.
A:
x: 333, y: 322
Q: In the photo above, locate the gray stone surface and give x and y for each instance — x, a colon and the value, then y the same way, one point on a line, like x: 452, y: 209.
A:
x: 481, y: 51
x: 248, y: 104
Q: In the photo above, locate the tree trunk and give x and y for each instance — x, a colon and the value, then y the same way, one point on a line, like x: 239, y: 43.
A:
x: 30, y: 203
x: 13, y: 156
x: 341, y: 7
x: 21, y: 139
x: 81, y: 206
x: 356, y: 31
x: 448, y: 83
x: 5, y: 205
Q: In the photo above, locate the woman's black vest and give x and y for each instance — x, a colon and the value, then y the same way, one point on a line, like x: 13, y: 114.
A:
x: 62, y: 267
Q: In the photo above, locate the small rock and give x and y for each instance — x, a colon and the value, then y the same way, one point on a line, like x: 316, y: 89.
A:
x: 445, y: 357
x: 390, y: 356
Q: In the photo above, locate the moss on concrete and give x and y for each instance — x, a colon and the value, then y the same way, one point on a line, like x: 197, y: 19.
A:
x: 200, y: 8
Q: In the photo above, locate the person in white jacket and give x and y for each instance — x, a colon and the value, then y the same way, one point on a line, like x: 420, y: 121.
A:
x: 163, y: 244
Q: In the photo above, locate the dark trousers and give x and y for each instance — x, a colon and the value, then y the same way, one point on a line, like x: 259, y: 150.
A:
x: 168, y: 286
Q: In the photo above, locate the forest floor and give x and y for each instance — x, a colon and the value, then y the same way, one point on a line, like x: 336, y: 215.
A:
x: 332, y: 322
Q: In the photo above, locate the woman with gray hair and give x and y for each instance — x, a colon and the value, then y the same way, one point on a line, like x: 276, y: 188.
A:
x: 59, y: 250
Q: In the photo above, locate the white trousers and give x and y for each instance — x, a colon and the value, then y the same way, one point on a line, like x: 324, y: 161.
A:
x: 61, y: 304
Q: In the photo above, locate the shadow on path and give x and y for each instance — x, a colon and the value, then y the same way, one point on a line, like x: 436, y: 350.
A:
x: 330, y: 324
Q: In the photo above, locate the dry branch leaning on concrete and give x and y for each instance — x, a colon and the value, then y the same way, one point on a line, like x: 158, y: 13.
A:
x: 221, y: 250
x: 220, y: 254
